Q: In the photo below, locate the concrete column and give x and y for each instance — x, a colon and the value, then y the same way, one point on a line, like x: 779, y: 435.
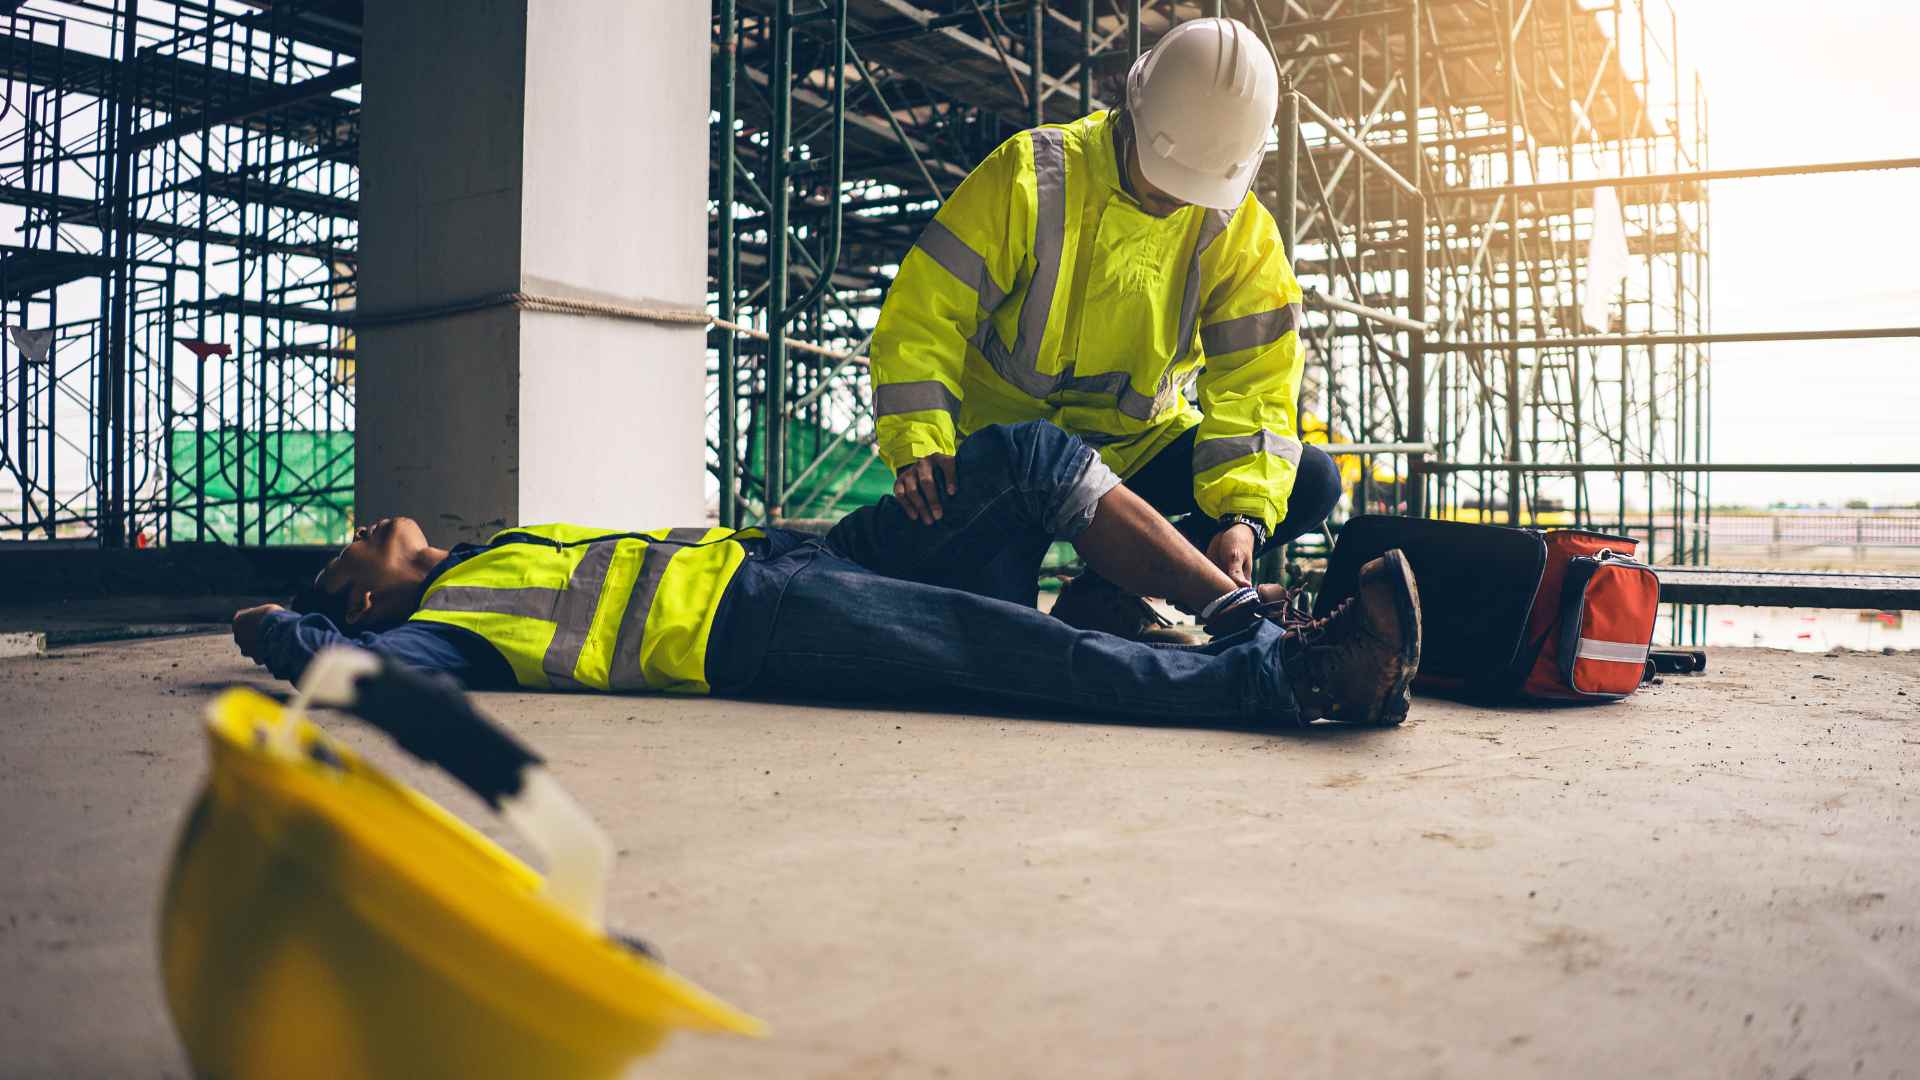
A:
x: 556, y: 147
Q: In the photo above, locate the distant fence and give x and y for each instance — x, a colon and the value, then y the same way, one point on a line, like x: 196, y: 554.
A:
x: 1817, y: 530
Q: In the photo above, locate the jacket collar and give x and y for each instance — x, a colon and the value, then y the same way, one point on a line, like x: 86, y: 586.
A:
x: 1106, y: 147
x: 1103, y: 151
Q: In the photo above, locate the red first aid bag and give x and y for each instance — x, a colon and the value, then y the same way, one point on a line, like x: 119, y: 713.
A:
x: 1592, y: 619
x: 1560, y: 615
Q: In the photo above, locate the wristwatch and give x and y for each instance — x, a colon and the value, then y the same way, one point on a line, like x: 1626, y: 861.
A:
x: 1228, y: 521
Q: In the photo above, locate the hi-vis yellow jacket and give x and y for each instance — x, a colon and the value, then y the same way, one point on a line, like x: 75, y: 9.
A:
x: 1041, y: 290
x: 577, y: 608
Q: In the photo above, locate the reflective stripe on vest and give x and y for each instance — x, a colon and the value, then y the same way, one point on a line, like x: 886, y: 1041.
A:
x: 1020, y: 366
x: 1213, y: 453
x: 931, y: 394
x: 564, y: 636
x: 1254, y: 331
x: 953, y: 254
x: 633, y: 623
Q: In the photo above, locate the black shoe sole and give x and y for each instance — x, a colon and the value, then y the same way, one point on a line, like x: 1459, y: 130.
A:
x: 1393, y: 705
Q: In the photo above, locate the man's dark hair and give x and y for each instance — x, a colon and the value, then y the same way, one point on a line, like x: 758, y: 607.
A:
x: 313, y: 600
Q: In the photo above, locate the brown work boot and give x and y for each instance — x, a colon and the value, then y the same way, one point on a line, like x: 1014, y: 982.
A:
x: 1355, y: 665
x: 1091, y: 602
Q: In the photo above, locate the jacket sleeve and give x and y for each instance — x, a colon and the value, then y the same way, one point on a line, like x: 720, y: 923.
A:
x: 290, y: 641
x: 971, y: 255
x: 1247, y: 449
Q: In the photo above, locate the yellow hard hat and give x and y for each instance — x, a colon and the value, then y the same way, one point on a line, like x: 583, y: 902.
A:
x: 323, y: 919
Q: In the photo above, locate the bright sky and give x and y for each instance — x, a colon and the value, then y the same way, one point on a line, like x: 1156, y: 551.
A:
x: 1791, y: 83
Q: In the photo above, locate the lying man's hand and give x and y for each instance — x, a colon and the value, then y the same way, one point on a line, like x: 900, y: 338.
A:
x: 248, y: 625
x: 1232, y: 552
x: 918, y: 487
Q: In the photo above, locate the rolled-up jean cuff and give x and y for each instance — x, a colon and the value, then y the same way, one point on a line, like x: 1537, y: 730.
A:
x: 1073, y: 510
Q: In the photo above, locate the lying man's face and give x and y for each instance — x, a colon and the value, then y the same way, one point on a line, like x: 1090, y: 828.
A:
x: 375, y: 580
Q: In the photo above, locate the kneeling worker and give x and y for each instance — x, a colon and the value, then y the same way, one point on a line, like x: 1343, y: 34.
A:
x: 1085, y: 274
x: 880, y: 610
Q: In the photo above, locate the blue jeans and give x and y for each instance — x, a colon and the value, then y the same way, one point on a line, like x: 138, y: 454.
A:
x: 1166, y: 483
x: 886, y: 609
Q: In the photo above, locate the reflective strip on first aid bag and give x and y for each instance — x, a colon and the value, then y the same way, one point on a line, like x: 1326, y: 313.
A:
x: 1620, y: 652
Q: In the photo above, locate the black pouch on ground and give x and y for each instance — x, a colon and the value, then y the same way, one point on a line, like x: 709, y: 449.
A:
x: 1477, y: 586
x: 1559, y: 616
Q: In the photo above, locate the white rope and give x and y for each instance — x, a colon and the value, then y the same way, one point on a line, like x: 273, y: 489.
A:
x: 523, y: 301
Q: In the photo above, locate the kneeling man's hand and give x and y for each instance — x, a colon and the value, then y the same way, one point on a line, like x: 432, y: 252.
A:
x: 1232, y: 552
x: 918, y: 487
x: 249, y: 625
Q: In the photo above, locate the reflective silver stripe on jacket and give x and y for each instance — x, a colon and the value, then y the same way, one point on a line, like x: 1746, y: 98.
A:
x: 1020, y: 366
x: 1216, y: 452
x: 1249, y: 331
x: 1117, y: 385
x: 571, y: 609
x: 890, y: 399
x: 1212, y: 224
x: 532, y: 602
x: 573, y: 615
x: 625, y: 674
x: 1049, y: 241
x: 1619, y: 652
x: 945, y: 247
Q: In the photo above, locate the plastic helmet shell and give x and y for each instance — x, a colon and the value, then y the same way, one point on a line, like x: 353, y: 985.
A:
x: 321, y: 919
x: 1203, y: 103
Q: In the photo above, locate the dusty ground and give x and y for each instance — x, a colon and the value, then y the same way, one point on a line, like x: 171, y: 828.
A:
x: 1716, y: 879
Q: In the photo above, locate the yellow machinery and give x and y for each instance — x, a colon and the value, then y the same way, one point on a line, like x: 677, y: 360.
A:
x: 1544, y: 517
x: 323, y: 919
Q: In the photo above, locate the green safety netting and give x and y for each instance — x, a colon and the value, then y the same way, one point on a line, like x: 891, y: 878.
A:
x: 851, y: 476
x: 218, y: 478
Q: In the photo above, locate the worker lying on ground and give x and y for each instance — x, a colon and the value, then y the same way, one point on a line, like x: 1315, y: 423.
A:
x: 1085, y: 274
x: 878, y: 610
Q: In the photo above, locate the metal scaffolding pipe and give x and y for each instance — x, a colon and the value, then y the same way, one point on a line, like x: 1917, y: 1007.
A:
x: 773, y: 431
x: 1086, y: 57
x: 1673, y: 466
x: 728, y: 265
x: 1036, y: 63
x: 1366, y: 153
x: 1411, y: 449
x: 1596, y: 340
x: 1512, y: 80
x: 837, y: 218
x: 1289, y: 197
x: 1344, y: 24
x: 1701, y: 176
x: 1417, y: 330
x: 1401, y: 322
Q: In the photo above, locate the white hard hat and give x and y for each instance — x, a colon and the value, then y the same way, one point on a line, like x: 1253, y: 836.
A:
x: 1202, y: 102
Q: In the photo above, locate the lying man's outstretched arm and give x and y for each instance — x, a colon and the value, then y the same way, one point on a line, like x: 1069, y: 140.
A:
x: 284, y: 642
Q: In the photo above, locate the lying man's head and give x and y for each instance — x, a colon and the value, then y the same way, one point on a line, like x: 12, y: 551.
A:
x: 375, y: 581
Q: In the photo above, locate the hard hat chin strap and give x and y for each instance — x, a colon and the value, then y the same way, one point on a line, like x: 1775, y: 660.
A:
x: 432, y: 719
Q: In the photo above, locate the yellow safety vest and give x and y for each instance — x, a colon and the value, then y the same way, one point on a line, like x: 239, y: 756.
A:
x: 578, y: 608
x: 1041, y: 290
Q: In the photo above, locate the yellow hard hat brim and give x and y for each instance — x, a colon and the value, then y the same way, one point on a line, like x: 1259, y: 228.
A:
x: 315, y: 899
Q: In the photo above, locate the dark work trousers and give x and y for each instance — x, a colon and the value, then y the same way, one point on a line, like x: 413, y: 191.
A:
x: 1166, y: 482
x: 888, y: 609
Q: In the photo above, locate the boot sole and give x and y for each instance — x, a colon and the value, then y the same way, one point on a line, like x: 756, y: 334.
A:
x: 1393, y: 705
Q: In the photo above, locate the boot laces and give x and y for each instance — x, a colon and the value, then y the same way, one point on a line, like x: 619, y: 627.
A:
x: 1291, y: 612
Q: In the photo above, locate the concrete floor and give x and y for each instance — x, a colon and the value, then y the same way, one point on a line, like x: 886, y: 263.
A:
x: 1718, y: 878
